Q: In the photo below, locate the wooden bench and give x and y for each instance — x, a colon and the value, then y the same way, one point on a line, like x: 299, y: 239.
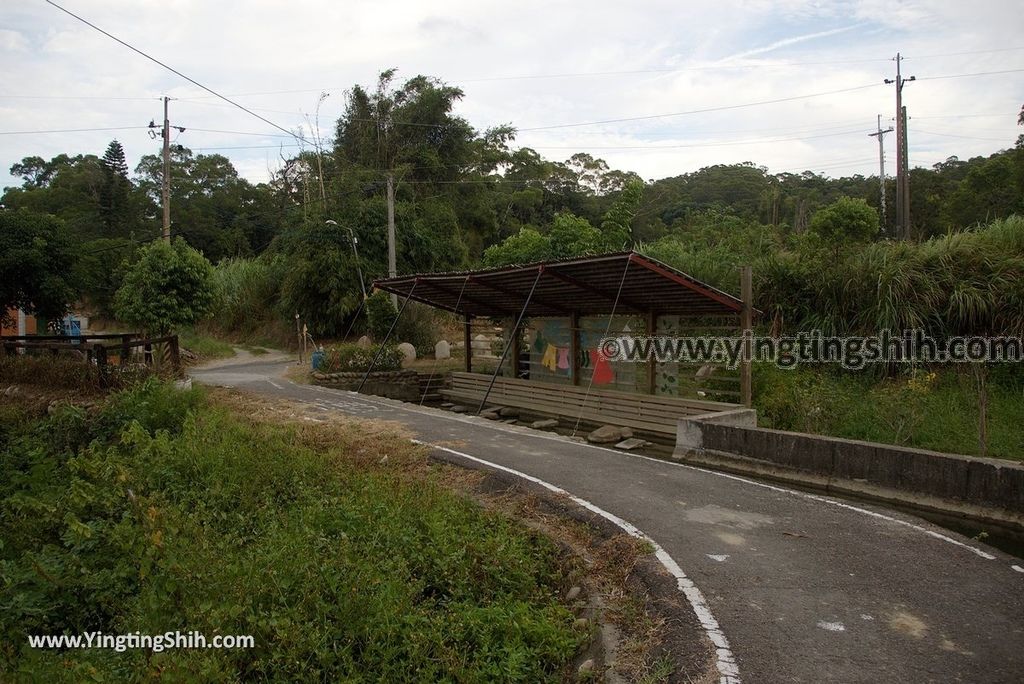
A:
x: 643, y: 412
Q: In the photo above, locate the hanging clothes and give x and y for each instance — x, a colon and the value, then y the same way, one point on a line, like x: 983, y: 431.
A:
x: 563, y: 358
x: 550, y: 360
x: 603, y: 373
x: 538, y: 342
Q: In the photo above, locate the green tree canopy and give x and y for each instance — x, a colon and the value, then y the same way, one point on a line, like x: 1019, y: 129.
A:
x: 170, y: 285
x: 36, y: 260
x: 845, y: 220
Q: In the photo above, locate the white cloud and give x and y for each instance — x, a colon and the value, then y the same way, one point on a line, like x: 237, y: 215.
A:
x: 778, y: 49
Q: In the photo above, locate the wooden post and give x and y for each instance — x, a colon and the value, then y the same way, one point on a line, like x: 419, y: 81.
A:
x: 652, y: 363
x: 574, y: 346
x: 746, y: 325
x: 125, y: 349
x: 175, y: 355
x: 147, y: 353
x: 298, y: 334
x: 514, y: 364
x: 101, y: 363
x: 467, y: 337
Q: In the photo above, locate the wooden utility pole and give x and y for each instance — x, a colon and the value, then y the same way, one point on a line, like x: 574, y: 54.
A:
x: 747, y: 326
x: 392, y: 260
x: 902, y: 158
x: 166, y: 185
x: 881, y: 165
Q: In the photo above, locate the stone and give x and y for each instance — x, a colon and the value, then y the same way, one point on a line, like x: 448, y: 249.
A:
x: 573, y: 594
x: 447, y: 404
x: 581, y: 623
x: 442, y: 350
x: 458, y: 409
x: 626, y: 432
x: 364, y: 342
x: 605, y: 434
x: 490, y: 415
x: 384, y: 460
x: 509, y: 421
x: 480, y: 342
x: 586, y: 667
x: 631, y: 443
x: 509, y: 412
x: 544, y: 424
x: 408, y: 351
x: 12, y: 391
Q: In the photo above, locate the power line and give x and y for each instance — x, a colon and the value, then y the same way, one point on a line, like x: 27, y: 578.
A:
x: 73, y: 130
x: 174, y: 71
x: 702, y: 111
x: 979, y: 73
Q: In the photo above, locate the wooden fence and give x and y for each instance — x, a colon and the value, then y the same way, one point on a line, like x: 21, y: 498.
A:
x: 101, y: 349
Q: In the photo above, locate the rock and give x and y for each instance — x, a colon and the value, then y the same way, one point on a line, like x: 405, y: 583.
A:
x: 631, y: 443
x: 447, y: 404
x: 481, y: 343
x: 458, y: 409
x: 572, y: 594
x: 605, y: 434
x: 442, y: 350
x: 544, y: 424
x: 184, y: 383
x: 509, y: 421
x: 490, y: 415
x: 626, y: 432
x: 581, y: 623
x: 384, y: 460
x: 53, y: 407
x: 408, y: 351
x: 364, y: 342
x: 509, y: 412
x: 12, y: 391
x: 586, y: 667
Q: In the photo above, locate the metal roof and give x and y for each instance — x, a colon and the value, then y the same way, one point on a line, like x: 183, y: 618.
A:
x: 584, y: 286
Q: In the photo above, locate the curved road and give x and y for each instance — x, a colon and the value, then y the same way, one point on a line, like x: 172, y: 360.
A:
x: 805, y: 588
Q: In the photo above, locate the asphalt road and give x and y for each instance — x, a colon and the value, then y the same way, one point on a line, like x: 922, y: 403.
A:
x: 805, y: 588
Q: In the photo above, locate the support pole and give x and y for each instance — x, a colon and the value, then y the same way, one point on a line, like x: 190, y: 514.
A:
x: 746, y: 325
x: 504, y: 352
x: 166, y: 185
x: 380, y: 349
x: 652, y: 363
x: 515, y: 353
x: 467, y: 337
x: 392, y: 258
x: 574, y: 346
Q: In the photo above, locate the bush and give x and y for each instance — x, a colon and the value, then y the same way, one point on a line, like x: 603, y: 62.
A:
x: 166, y: 512
x: 380, y: 314
x: 352, y: 358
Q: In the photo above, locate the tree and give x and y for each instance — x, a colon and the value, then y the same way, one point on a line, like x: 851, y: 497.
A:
x: 115, y: 193
x: 170, y: 285
x: 845, y: 220
x: 36, y: 260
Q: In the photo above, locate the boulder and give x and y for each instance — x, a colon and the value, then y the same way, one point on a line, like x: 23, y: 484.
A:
x: 627, y: 433
x: 364, y: 342
x: 458, y: 409
x: 442, y: 350
x: 490, y: 415
x: 606, y: 434
x: 509, y: 412
x: 408, y: 351
x: 544, y: 424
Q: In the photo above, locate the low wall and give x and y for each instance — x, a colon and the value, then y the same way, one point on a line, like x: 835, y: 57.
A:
x: 984, y: 489
x: 403, y: 385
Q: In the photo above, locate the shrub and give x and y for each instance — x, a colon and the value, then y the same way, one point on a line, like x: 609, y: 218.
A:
x: 355, y: 359
x: 380, y: 314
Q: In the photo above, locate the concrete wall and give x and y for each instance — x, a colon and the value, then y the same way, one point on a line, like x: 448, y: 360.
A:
x: 974, y: 487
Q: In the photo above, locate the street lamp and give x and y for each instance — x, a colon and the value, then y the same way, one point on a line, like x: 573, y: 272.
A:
x: 355, y: 251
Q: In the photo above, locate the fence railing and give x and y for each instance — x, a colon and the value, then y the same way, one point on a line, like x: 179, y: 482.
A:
x: 101, y: 349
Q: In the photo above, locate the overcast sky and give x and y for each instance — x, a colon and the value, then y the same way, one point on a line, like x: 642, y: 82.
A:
x: 535, y: 65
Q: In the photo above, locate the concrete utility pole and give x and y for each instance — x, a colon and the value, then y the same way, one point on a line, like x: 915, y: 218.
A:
x: 881, y: 164
x: 166, y: 189
x: 392, y: 260
x: 165, y: 185
x: 902, y: 158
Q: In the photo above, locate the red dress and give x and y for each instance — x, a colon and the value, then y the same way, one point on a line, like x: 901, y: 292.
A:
x: 603, y: 373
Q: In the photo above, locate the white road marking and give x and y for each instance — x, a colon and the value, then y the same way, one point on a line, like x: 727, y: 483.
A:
x: 720, y: 558
x: 832, y: 626
x: 274, y: 384
x: 520, y: 431
x: 865, y: 616
x: 1017, y: 568
x: 725, y: 660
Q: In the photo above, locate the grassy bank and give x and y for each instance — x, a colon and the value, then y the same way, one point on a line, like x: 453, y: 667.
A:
x: 927, y: 410
x: 335, y: 547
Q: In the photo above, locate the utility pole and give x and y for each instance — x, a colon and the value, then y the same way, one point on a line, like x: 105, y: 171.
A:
x: 902, y: 158
x: 881, y: 164
x: 392, y: 261
x: 165, y: 186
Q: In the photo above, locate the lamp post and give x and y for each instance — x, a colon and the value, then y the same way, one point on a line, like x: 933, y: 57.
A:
x: 355, y: 252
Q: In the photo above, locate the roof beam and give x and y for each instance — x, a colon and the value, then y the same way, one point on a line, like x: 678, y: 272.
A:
x: 518, y: 295
x: 469, y: 298
x: 598, y: 291
x: 720, y: 297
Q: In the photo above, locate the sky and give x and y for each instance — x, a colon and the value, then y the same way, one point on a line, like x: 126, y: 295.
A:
x: 565, y: 74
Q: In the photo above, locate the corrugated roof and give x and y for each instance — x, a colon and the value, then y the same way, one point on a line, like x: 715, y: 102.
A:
x: 585, y: 286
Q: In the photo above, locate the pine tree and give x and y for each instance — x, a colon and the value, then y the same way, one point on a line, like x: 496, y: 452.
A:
x: 114, y: 195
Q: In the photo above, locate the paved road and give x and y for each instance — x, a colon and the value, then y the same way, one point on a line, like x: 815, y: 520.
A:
x: 805, y: 588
